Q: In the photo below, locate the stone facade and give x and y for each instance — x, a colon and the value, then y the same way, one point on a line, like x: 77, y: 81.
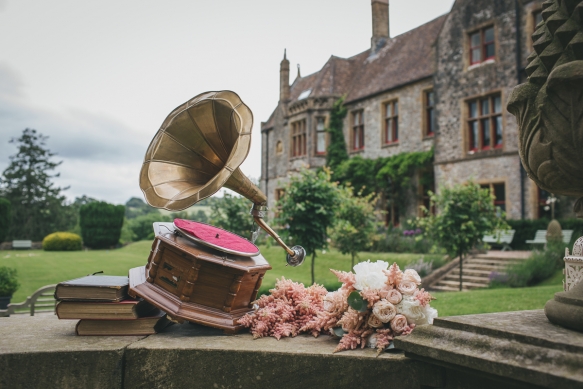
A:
x: 433, y: 57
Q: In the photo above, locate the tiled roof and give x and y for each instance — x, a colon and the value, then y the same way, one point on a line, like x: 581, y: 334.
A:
x: 405, y: 58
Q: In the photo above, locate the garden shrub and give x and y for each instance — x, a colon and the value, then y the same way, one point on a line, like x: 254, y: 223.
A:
x: 526, y: 229
x: 101, y: 224
x: 540, y: 266
x: 398, y: 240
x: 141, y: 226
x: 8, y: 281
x: 62, y: 241
x: 5, y: 217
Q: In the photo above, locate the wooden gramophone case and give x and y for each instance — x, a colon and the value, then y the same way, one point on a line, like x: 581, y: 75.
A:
x: 194, y: 283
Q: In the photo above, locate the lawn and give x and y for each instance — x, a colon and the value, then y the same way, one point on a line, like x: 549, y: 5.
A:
x: 37, y: 268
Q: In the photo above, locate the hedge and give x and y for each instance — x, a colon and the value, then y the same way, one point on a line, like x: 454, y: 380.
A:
x: 5, y: 216
x: 101, y: 224
x: 526, y: 229
x: 62, y: 241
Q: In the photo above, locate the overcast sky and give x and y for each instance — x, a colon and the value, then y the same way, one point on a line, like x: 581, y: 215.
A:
x: 99, y: 77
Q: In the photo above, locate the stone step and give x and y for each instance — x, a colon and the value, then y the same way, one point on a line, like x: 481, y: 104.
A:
x: 488, y: 262
x: 440, y: 288
x: 480, y: 280
x: 443, y: 282
x: 474, y: 272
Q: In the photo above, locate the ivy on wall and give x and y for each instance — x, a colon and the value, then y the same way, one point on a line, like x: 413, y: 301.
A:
x: 390, y: 176
x: 336, y: 152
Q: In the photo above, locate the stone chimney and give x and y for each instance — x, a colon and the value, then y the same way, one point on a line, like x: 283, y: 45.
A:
x: 284, y: 79
x: 380, y: 23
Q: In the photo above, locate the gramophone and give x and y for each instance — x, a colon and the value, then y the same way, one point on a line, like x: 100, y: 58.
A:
x: 197, y: 272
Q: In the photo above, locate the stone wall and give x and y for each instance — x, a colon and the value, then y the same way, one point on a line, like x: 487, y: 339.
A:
x: 457, y: 81
x: 411, y: 108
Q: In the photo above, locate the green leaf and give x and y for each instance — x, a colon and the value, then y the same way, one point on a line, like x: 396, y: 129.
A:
x: 356, y: 302
x: 338, y: 331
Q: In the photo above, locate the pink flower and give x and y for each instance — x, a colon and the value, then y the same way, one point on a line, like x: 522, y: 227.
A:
x: 423, y: 297
x: 412, y: 275
x: 370, y: 295
x: 374, y: 321
x: 384, y: 310
x: 347, y: 278
x: 398, y: 324
x: 407, y: 287
x: 394, y: 275
x: 394, y: 296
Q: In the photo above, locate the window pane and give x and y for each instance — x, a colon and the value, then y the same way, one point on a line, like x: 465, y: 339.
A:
x: 476, y: 55
x: 388, y: 130
x: 498, y: 130
x: 473, y: 135
x: 473, y: 109
x: 396, y: 125
x: 490, y: 52
x: 430, y: 98
x: 475, y: 39
x: 396, y: 103
x: 485, y: 133
x: 489, y: 35
x: 356, y: 139
x: 499, y: 192
x: 430, y: 121
x: 361, y: 132
x: 497, y: 104
x: 320, y: 124
x: 388, y: 110
x: 321, y: 142
x: 485, y: 107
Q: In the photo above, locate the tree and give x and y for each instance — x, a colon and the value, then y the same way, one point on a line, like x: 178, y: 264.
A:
x: 101, y: 224
x: 5, y: 218
x: 37, y: 205
x: 135, y: 207
x: 336, y: 152
x: 307, y: 209
x: 232, y: 213
x: 356, y: 223
x: 466, y: 213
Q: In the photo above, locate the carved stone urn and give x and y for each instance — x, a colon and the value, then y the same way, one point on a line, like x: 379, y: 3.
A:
x: 549, y: 111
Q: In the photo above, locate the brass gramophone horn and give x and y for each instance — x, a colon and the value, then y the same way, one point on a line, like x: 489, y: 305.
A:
x: 197, y: 151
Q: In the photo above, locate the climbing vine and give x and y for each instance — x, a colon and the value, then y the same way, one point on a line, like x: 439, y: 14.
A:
x: 336, y: 152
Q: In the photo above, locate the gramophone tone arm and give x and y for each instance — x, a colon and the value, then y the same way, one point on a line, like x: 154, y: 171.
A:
x: 296, y: 254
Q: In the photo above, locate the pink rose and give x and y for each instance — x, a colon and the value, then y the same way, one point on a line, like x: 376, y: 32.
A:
x: 374, y: 321
x: 384, y: 310
x: 399, y: 324
x: 407, y: 287
x: 394, y: 296
x: 411, y: 275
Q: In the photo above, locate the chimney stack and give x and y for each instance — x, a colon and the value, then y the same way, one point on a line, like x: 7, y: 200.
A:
x: 380, y: 23
x: 284, y: 78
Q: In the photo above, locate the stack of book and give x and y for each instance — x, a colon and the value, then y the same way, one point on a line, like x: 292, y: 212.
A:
x: 103, y: 307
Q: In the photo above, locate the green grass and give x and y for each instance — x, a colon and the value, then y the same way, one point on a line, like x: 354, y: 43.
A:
x: 493, y: 300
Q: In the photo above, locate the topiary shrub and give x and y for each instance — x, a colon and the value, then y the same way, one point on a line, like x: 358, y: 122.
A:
x: 62, y: 241
x: 5, y: 216
x: 101, y: 224
x: 8, y: 281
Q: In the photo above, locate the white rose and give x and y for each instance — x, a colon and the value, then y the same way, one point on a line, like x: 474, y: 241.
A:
x: 384, y: 310
x: 407, y: 287
x: 412, y: 309
x: 412, y: 275
x: 430, y: 314
x: 372, y: 341
x: 370, y: 275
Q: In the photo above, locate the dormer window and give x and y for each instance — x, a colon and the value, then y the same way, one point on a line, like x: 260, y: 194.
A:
x: 305, y: 94
x: 482, y: 45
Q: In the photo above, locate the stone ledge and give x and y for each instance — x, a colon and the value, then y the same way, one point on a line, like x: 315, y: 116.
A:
x: 45, y: 352
x: 523, y: 347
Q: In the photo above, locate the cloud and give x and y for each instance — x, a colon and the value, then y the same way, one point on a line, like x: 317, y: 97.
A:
x: 101, y: 155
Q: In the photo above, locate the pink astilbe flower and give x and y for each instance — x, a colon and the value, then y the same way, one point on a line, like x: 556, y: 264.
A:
x: 384, y: 338
x: 351, y: 320
x: 286, y: 311
x: 394, y: 275
x: 347, y: 278
x: 408, y: 329
x: 423, y: 297
x: 335, y: 304
x: 353, y: 339
x: 370, y: 295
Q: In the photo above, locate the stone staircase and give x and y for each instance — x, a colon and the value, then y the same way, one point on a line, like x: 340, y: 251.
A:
x: 477, y: 269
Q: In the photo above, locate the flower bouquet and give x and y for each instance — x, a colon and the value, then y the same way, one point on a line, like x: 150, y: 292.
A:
x: 374, y: 304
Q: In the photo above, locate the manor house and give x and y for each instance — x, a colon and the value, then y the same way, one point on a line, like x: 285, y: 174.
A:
x: 444, y: 85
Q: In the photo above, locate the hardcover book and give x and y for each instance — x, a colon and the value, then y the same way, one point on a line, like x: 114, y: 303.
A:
x: 123, y: 310
x: 93, y: 288
x: 137, y: 327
